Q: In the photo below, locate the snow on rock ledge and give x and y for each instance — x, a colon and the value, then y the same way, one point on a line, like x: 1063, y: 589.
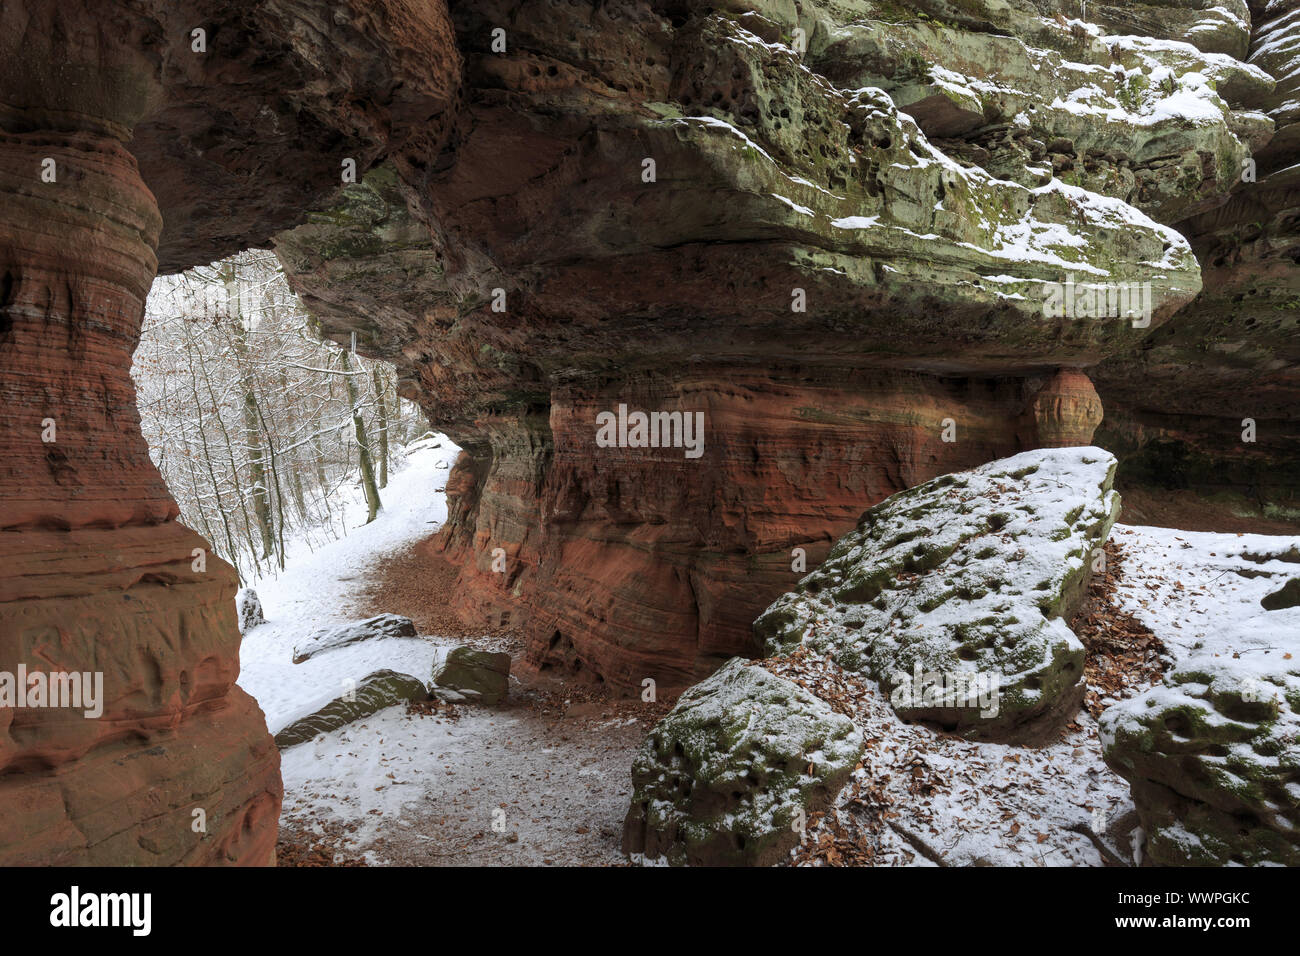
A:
x: 383, y: 688
x: 965, y: 582
x: 330, y: 638
x: 1213, y: 757
x: 724, y: 777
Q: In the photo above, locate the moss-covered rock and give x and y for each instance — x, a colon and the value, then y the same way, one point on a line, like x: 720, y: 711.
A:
x: 479, y: 675
x: 1213, y: 758
x: 1126, y: 116
x: 375, y: 692
x: 954, y: 595
x: 726, y: 777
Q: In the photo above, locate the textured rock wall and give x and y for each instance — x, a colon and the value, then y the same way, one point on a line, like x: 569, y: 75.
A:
x: 96, y: 575
x: 1176, y: 407
x: 541, y: 279
x: 632, y: 563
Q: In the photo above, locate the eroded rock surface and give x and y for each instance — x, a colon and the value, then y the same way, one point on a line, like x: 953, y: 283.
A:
x: 729, y: 776
x: 1208, y: 402
x: 840, y: 251
x: 114, y: 132
x: 1213, y: 755
x: 955, y: 595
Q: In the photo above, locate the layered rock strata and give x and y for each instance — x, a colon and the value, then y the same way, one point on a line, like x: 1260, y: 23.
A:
x: 125, y: 129
x: 720, y: 212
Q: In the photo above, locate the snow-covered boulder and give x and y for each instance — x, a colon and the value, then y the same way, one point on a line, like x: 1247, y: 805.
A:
x: 476, y: 675
x: 728, y: 775
x: 1213, y: 758
x: 329, y: 638
x: 954, y: 595
x: 248, y: 606
x: 371, y: 695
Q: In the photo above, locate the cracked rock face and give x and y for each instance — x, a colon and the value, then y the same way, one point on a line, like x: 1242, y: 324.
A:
x: 1213, y: 755
x: 954, y: 595
x: 726, y: 777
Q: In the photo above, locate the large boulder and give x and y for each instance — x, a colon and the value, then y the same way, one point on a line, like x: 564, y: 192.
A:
x: 479, y: 675
x: 330, y: 638
x: 375, y: 692
x: 954, y: 595
x: 734, y: 768
x: 1213, y: 757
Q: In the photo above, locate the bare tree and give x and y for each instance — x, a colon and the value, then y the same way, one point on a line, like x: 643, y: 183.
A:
x: 252, y: 418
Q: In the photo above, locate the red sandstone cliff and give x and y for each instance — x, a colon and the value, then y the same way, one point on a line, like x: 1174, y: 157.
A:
x: 96, y: 576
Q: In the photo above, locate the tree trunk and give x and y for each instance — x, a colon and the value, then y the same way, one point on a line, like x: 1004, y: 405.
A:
x: 363, y: 445
x: 252, y: 436
x: 383, y: 429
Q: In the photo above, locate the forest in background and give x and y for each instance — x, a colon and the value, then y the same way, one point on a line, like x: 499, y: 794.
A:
x: 255, y: 422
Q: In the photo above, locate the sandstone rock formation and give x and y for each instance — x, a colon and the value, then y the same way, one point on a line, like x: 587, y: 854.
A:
x: 114, y: 130
x: 831, y: 229
x: 1177, y: 407
x: 341, y: 635
x: 724, y: 209
x: 955, y: 595
x: 966, y: 578
x: 727, y: 777
x: 1212, y: 757
x: 372, y: 694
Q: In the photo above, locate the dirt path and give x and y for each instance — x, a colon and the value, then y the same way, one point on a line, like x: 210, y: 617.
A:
x: 1188, y: 511
x: 541, y: 779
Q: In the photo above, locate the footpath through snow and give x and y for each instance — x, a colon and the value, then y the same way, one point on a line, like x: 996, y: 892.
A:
x: 542, y: 778
x: 320, y: 588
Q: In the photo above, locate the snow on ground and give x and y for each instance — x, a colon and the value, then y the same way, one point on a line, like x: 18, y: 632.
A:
x: 512, y: 784
x: 316, y: 589
x: 1200, y: 592
x: 493, y: 786
x: 931, y: 799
